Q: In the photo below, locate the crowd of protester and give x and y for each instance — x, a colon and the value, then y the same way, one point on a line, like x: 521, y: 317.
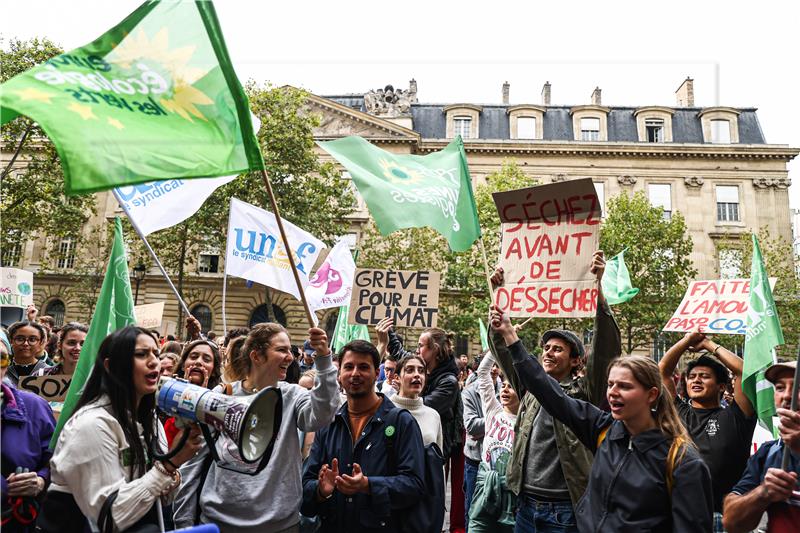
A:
x: 376, y: 437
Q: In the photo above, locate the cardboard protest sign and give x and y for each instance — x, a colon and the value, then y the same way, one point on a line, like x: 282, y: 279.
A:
x: 410, y: 297
x: 16, y: 287
x: 168, y: 327
x: 718, y: 306
x: 149, y: 315
x: 548, y: 236
x: 51, y: 388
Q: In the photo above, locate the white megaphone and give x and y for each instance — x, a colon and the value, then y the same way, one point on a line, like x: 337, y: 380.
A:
x: 251, y: 422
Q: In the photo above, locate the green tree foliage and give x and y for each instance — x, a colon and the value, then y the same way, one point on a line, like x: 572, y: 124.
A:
x: 735, y: 255
x: 32, y: 199
x: 309, y: 194
x: 657, y: 257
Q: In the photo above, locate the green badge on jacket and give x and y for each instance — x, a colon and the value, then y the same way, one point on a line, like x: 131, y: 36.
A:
x: 389, y: 431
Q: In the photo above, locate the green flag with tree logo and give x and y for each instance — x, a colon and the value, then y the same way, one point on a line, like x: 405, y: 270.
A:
x: 616, y: 283
x: 154, y: 98
x: 763, y: 335
x: 114, y: 310
x: 413, y: 191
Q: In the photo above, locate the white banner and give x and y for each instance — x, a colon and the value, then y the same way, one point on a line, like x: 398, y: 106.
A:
x: 255, y: 250
x: 157, y: 205
x: 332, y: 283
x: 16, y: 287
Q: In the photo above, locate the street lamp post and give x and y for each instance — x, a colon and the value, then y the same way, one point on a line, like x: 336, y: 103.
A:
x: 139, y: 272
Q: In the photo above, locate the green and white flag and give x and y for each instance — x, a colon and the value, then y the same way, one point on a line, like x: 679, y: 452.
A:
x: 344, y: 332
x: 154, y: 98
x: 763, y: 334
x: 113, y: 311
x: 412, y: 191
x: 616, y: 283
x: 484, y: 335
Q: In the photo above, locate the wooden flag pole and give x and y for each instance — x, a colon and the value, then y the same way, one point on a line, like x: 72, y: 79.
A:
x: 276, y: 212
x: 152, y: 253
x: 487, y: 270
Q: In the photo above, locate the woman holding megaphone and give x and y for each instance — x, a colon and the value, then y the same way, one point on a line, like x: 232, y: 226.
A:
x: 266, y: 500
x: 102, y: 461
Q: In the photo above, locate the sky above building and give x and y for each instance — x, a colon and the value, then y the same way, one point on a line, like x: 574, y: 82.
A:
x: 739, y: 54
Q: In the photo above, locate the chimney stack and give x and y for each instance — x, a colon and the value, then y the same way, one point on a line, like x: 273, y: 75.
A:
x: 685, y: 93
x: 597, y: 96
x: 506, y: 91
x: 546, y: 93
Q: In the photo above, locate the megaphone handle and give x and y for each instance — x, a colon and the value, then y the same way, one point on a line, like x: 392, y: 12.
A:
x: 211, y: 442
x: 171, y: 453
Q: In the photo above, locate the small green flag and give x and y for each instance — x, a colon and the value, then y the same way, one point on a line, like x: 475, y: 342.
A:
x: 154, y: 98
x: 113, y: 311
x: 763, y: 334
x: 617, y: 287
x: 412, y: 191
x: 344, y: 332
x: 484, y: 336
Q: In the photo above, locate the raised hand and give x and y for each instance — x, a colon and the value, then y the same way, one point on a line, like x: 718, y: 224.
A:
x: 598, y: 264
x: 327, y: 479
x: 498, y: 277
x: 319, y: 341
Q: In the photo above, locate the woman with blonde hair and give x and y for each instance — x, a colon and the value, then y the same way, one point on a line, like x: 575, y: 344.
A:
x: 647, y: 474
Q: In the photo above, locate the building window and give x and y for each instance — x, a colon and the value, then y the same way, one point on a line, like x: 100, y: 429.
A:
x: 730, y: 264
x: 727, y: 203
x: 526, y: 127
x: 57, y: 310
x: 654, y: 127
x: 659, y: 347
x: 11, y: 254
x: 600, y: 189
x: 203, y: 314
x: 462, y: 126
x: 720, y: 131
x: 590, y: 129
x: 259, y: 315
x: 208, y: 263
x: 661, y: 196
x: 66, y: 253
x: 462, y: 345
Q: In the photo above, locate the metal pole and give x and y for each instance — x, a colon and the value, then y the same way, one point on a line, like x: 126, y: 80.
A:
x: 276, y: 212
x: 786, y: 450
x: 152, y: 253
x: 136, y: 295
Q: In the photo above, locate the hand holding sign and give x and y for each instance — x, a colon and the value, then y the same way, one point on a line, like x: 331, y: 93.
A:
x: 319, y: 341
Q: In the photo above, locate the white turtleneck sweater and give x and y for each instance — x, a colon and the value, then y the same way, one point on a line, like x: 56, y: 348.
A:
x: 428, y: 419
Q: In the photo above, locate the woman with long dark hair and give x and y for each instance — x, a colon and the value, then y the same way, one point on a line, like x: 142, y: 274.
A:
x: 70, y: 342
x: 104, y: 450
x: 647, y: 474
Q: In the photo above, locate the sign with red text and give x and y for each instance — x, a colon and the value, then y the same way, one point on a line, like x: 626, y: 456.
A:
x: 548, y: 236
x: 410, y: 297
x: 717, y: 306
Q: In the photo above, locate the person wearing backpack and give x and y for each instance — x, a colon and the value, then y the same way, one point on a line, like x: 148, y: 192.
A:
x: 647, y: 474
x: 366, y: 470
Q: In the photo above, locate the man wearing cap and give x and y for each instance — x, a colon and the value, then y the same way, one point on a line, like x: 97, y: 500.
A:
x: 764, y: 485
x: 549, y: 467
x: 722, y: 435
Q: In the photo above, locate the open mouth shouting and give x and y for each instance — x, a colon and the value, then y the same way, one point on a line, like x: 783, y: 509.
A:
x: 152, y: 379
x: 196, y: 375
x: 616, y: 407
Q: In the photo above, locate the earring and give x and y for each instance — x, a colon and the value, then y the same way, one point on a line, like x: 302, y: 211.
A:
x: 653, y: 410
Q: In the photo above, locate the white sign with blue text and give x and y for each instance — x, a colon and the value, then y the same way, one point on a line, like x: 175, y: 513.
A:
x: 255, y: 249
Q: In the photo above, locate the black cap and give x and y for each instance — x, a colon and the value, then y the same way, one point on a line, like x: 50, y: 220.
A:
x: 568, y: 337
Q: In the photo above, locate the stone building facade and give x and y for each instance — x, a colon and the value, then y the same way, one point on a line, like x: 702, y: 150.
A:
x: 712, y: 164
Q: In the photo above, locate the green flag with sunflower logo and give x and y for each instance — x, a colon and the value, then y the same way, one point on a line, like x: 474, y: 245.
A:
x: 154, y: 98
x: 412, y: 191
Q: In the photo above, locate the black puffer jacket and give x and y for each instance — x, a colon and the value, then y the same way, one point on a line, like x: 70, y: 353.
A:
x: 443, y: 394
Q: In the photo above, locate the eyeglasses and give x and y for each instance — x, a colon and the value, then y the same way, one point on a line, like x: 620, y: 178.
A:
x: 31, y: 340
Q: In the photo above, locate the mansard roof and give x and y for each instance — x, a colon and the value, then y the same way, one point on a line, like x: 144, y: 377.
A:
x: 429, y: 120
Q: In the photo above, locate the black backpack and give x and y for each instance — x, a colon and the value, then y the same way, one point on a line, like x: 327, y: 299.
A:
x: 427, y: 515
